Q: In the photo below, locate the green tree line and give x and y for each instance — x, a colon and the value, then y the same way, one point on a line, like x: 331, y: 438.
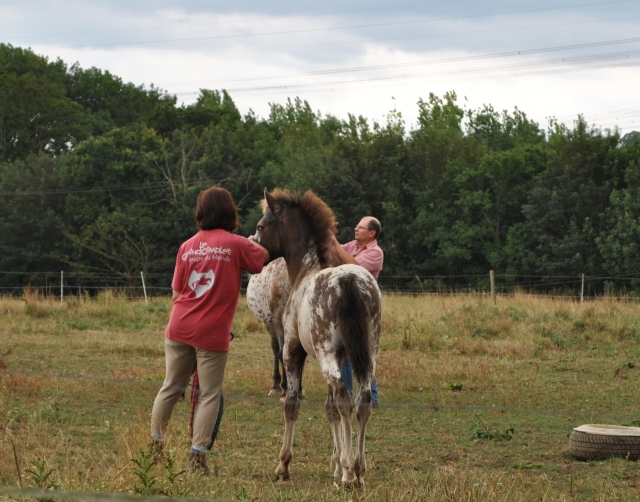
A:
x: 99, y: 177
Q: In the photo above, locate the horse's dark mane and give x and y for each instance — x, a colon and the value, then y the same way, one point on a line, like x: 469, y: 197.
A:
x: 315, y: 212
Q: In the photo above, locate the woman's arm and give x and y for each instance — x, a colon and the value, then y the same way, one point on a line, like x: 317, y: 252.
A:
x: 264, y: 250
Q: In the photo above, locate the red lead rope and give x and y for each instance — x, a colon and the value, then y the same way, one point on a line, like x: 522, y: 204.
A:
x: 195, y: 396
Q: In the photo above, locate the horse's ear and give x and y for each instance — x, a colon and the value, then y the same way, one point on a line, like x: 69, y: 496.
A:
x: 273, y: 203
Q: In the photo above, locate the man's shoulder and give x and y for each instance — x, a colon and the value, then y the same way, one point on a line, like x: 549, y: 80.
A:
x: 373, y: 246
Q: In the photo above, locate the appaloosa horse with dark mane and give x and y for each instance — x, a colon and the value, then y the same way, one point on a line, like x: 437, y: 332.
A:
x: 267, y: 295
x: 332, y: 313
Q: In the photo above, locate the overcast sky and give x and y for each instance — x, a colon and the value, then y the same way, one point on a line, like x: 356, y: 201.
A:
x: 548, y: 58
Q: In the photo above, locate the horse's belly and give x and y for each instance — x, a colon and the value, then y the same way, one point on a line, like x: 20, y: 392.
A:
x: 258, y: 299
x: 304, y: 329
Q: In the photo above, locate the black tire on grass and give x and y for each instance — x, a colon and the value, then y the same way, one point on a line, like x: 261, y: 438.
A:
x: 583, y: 446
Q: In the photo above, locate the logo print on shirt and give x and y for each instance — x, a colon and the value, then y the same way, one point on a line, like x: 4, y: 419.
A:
x: 201, y: 282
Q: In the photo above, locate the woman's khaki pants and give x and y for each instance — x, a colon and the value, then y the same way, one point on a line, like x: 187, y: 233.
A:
x: 181, y: 360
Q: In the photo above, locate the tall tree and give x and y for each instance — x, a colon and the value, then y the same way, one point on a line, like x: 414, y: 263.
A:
x: 619, y: 241
x: 564, y: 208
x: 36, y: 115
x: 31, y: 207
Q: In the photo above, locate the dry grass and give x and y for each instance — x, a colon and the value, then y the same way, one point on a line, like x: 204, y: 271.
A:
x: 77, y: 381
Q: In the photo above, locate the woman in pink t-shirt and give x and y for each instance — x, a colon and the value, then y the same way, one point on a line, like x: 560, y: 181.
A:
x: 206, y: 287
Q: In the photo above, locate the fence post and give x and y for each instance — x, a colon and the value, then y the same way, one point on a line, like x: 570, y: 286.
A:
x: 144, y: 288
x: 492, y: 278
x: 61, y: 285
x: 582, y: 290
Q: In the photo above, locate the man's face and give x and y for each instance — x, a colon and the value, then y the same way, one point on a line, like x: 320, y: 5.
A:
x: 363, y: 234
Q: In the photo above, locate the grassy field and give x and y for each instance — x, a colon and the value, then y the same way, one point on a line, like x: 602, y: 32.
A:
x: 477, y: 402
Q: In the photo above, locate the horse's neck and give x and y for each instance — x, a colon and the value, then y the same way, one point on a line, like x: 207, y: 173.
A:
x: 300, y: 249
x: 302, y: 260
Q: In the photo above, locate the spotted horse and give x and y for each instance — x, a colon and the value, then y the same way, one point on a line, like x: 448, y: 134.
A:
x: 331, y: 313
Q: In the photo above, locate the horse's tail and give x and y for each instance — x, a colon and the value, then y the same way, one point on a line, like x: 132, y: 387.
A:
x: 353, y: 320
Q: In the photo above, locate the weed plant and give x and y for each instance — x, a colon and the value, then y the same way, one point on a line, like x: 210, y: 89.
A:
x: 476, y: 402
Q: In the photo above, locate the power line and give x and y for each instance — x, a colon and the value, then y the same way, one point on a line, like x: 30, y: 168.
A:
x: 524, y: 52
x: 244, y: 20
x: 263, y: 47
x: 606, y: 109
x: 471, y: 71
x: 349, y: 27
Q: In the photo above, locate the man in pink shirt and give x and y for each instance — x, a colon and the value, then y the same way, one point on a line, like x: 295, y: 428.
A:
x: 363, y: 251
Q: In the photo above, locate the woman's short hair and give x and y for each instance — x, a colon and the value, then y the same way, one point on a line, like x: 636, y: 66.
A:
x: 216, y: 209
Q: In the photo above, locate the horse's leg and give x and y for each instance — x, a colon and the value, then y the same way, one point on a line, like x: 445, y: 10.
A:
x: 279, y: 338
x: 283, y: 382
x: 294, y: 357
x: 334, y: 419
x: 363, y: 412
x: 339, y: 408
x: 277, y: 358
x: 342, y: 397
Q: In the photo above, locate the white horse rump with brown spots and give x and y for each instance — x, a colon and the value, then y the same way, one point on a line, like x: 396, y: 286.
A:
x: 332, y: 313
x: 267, y: 295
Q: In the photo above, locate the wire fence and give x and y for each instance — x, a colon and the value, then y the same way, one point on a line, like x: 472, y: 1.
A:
x: 145, y: 284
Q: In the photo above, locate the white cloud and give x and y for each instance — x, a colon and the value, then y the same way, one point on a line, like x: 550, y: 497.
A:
x: 183, y: 47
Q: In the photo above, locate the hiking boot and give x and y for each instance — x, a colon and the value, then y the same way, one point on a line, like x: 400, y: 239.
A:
x: 198, y: 463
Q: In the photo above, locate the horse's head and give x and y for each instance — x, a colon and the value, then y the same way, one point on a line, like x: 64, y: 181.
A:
x: 295, y: 225
x: 270, y: 228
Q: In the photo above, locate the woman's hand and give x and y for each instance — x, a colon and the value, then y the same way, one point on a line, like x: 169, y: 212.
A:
x: 264, y: 250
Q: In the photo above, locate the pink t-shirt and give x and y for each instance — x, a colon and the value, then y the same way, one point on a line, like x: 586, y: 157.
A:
x: 369, y: 256
x: 207, y: 276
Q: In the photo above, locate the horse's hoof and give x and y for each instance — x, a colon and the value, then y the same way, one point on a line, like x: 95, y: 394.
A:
x: 281, y: 475
x: 349, y: 479
x: 359, y: 469
x: 273, y: 392
x: 350, y: 485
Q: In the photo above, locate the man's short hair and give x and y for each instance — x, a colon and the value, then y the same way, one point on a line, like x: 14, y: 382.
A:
x: 216, y: 209
x: 374, y: 224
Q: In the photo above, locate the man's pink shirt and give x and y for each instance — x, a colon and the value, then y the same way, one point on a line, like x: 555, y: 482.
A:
x: 369, y: 256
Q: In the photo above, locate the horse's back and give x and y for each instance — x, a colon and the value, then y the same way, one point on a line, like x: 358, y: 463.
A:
x: 318, y: 312
x: 329, y: 285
